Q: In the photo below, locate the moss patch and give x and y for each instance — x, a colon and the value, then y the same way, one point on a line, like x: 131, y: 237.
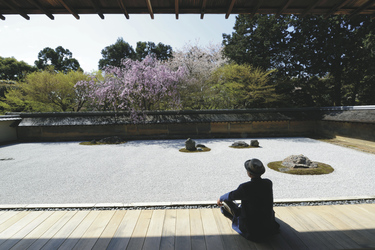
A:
x: 321, y: 169
x: 184, y: 150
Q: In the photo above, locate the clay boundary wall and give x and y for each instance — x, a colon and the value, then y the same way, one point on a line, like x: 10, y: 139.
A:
x: 355, y: 122
x: 8, y: 130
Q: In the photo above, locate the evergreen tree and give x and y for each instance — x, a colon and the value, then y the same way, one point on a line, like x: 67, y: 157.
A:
x: 60, y: 59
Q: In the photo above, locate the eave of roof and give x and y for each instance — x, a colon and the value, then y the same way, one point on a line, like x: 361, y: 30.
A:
x: 5, y: 118
x: 177, y: 7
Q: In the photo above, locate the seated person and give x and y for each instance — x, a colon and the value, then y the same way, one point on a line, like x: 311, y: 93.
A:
x: 254, y: 219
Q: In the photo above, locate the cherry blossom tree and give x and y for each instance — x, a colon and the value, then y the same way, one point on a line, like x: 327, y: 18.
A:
x: 200, y: 62
x: 136, y: 86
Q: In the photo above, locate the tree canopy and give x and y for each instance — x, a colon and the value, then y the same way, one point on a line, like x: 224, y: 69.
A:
x: 160, y: 51
x: 114, y: 54
x: 259, y: 41
x: 335, y: 48
x: 61, y: 59
x: 12, y: 69
x: 45, y: 91
x: 243, y: 86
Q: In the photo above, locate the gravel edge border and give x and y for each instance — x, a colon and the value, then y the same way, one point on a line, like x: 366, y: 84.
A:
x: 186, y: 206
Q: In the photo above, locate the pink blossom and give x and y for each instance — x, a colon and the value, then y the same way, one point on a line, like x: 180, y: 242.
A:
x: 136, y: 86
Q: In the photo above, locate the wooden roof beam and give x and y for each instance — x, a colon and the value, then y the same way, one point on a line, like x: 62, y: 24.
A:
x: 97, y: 8
x: 123, y: 8
x: 16, y: 9
x: 44, y: 10
x: 362, y: 8
x: 149, y: 7
x: 203, y: 9
x: 230, y: 9
x: 70, y: 10
x: 176, y: 9
x: 336, y: 8
x: 312, y: 6
x: 282, y: 9
x: 256, y: 8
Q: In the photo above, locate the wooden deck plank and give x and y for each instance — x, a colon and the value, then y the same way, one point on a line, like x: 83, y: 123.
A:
x: 369, y: 208
x: 138, y: 237
x: 359, y: 216
x: 308, y: 239
x: 29, y: 239
x: 211, y: 232
x: 12, y: 219
x: 291, y: 236
x: 314, y: 229
x: 340, y: 238
x: 125, y: 230
x: 183, y: 240
x: 196, y: 230
x: 355, y: 224
x: 279, y: 242
x: 76, y: 235
x: 230, y: 238
x: 169, y: 228
x: 65, y: 231
x: 342, y: 224
x: 17, y: 226
x: 28, y: 227
x: 311, y: 227
x: 44, y: 238
x: 92, y: 234
x: 5, y: 216
x: 109, y: 231
x: 155, y: 230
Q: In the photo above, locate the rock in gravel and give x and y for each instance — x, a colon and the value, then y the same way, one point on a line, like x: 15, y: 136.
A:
x: 298, y: 161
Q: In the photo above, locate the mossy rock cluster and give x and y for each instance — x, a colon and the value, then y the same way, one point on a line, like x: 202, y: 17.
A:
x: 321, y: 169
x: 199, y: 150
x: 105, y: 141
x: 244, y: 146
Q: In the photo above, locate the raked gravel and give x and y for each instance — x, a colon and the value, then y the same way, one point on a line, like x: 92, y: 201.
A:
x: 155, y: 171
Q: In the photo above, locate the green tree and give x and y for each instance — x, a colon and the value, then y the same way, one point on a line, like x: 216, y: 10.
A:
x: 11, y: 69
x: 46, y: 91
x: 61, y: 59
x: 243, y: 86
x: 335, y: 47
x: 260, y: 41
x: 160, y: 51
x: 113, y: 55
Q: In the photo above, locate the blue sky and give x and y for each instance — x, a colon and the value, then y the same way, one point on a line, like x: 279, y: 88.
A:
x: 86, y: 37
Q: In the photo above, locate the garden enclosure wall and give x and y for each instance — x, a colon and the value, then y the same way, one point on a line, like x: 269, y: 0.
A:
x: 8, y: 130
x: 355, y: 122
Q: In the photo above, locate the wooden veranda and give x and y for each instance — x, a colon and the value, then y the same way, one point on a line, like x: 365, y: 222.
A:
x: 302, y: 227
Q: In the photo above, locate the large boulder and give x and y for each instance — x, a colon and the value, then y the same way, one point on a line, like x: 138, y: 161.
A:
x: 190, y: 145
x: 240, y: 144
x: 298, y: 161
x: 254, y: 143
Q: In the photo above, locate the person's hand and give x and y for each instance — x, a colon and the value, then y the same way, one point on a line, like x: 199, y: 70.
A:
x: 219, y: 203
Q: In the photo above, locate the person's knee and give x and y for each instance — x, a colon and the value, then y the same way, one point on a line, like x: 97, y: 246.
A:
x: 231, y: 207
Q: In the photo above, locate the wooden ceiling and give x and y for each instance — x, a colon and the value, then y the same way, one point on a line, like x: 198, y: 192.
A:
x: 50, y: 8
